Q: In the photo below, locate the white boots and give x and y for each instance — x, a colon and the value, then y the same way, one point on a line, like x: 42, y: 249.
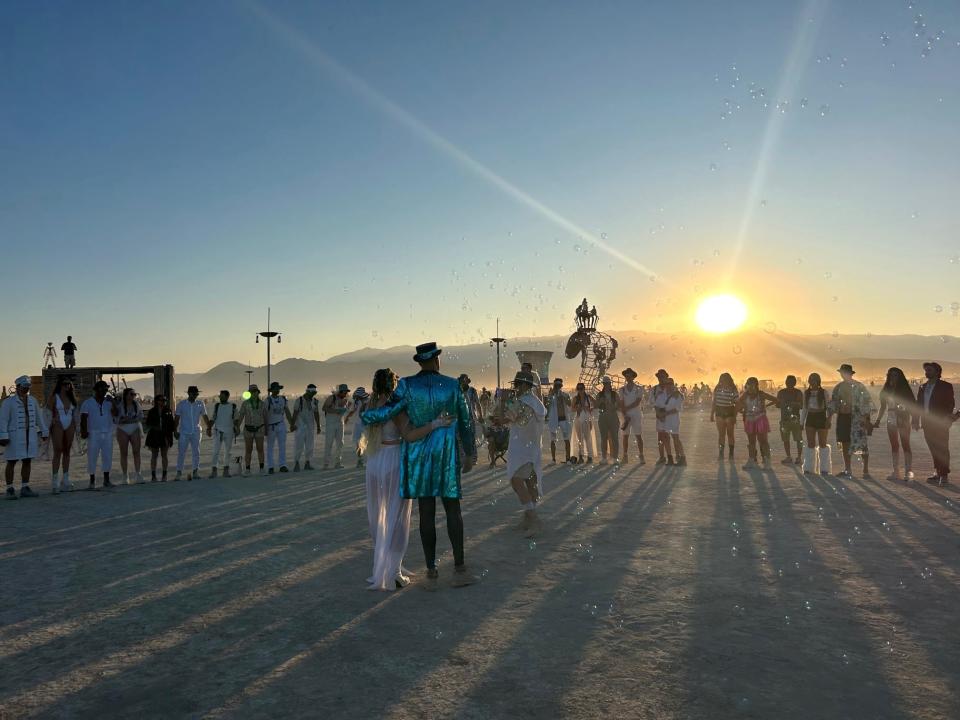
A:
x: 826, y: 467
x: 817, y: 460
x: 56, y: 483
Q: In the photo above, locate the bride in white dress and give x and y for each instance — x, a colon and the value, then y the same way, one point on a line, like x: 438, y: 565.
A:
x: 388, y: 513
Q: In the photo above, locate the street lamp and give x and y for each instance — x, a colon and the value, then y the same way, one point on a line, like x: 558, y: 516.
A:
x: 499, y: 341
x: 249, y: 376
x: 269, y: 335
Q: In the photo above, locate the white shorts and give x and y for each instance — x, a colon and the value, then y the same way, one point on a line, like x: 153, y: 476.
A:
x: 561, y: 430
x: 632, y: 422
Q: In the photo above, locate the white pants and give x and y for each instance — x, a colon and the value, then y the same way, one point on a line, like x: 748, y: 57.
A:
x: 191, y: 441
x: 277, y: 438
x: 334, y: 440
x: 221, y: 440
x: 304, y: 442
x: 583, y: 428
x: 99, y: 444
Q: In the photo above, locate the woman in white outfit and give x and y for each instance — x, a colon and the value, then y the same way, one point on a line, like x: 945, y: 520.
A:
x: 667, y: 403
x: 129, y: 434
x: 388, y: 513
x: 583, y: 423
x: 526, y: 416
x: 65, y: 417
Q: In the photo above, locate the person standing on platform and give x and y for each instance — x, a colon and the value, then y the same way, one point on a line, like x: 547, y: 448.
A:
x: 22, y: 425
x: 222, y: 428
x: 188, y: 415
x: 631, y: 405
x: 98, y: 423
x: 278, y: 418
x: 335, y: 409
x: 306, y: 425
x: 69, y: 350
x: 936, y: 413
x: 559, y: 415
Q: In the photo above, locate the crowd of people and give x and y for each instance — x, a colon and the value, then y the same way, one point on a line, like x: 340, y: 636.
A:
x: 415, y: 436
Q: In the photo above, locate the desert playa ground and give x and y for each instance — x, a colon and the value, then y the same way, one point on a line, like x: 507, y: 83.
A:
x: 653, y: 593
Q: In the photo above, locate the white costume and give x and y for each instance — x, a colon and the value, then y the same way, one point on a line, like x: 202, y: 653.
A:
x: 663, y: 401
x: 388, y: 513
x: 306, y: 428
x: 583, y: 424
x: 336, y: 409
x: 632, y: 418
x: 359, y: 405
x: 189, y: 428
x: 276, y: 430
x: 101, y: 428
x: 224, y: 415
x: 559, y: 428
x: 23, y: 425
x: 526, y: 434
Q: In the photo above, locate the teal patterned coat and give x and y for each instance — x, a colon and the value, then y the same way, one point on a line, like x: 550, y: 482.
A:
x: 430, y: 467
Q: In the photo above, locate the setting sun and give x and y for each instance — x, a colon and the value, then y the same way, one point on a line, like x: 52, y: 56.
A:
x: 721, y: 313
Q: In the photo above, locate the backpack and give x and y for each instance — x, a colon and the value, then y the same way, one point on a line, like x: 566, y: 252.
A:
x: 216, y: 409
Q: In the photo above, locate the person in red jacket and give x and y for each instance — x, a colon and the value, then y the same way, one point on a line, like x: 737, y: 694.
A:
x: 936, y: 412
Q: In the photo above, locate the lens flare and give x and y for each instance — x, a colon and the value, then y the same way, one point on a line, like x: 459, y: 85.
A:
x: 721, y: 313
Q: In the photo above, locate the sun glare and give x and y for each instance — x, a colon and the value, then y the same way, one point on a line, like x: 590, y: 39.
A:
x: 721, y: 313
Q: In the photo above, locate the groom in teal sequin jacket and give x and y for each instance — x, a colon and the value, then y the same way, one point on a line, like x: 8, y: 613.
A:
x: 431, y: 466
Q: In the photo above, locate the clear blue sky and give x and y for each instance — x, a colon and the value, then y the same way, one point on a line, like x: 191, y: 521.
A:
x: 167, y: 170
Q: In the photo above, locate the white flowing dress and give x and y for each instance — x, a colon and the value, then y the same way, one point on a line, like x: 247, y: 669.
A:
x: 388, y: 513
x: 526, y: 436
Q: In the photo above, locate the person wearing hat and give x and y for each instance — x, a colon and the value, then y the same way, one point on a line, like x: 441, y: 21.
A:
x: 253, y: 420
x: 559, y: 416
x: 852, y: 405
x: 22, y: 424
x: 335, y: 409
x: 222, y: 428
x: 278, y: 418
x: 608, y: 421
x: 937, y: 412
x: 431, y: 467
x: 631, y: 399
x: 98, y: 423
x: 537, y: 390
x: 525, y: 415
x: 360, y: 399
x: 667, y: 404
x: 306, y: 425
x: 188, y: 416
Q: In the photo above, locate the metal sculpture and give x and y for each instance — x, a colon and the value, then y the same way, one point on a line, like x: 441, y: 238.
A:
x: 596, y: 349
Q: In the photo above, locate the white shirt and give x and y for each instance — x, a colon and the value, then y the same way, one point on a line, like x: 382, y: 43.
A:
x: 928, y: 393
x: 224, y: 416
x: 630, y: 395
x: 306, y: 409
x: 99, y: 415
x: 275, y: 408
x: 190, y: 414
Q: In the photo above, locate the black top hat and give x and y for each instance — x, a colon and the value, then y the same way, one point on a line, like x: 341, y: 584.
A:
x: 847, y: 367
x: 426, y: 351
x: 193, y: 389
x: 523, y: 376
x: 629, y: 372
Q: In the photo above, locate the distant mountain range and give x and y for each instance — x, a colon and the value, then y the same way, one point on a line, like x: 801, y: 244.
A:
x: 689, y: 357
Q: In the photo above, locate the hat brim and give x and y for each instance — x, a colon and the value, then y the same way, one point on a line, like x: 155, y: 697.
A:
x: 849, y: 370
x: 629, y: 373
x: 423, y: 357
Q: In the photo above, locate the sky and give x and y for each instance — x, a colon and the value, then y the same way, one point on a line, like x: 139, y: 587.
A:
x: 388, y: 173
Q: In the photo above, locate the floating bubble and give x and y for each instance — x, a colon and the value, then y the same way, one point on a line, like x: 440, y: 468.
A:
x: 827, y: 275
x: 914, y: 215
x: 938, y: 308
x: 438, y: 635
x: 786, y: 619
x: 770, y: 328
x: 824, y: 110
x: 737, y: 349
x: 884, y: 39
x: 713, y: 167
x: 807, y: 605
x: 532, y: 545
x: 734, y: 551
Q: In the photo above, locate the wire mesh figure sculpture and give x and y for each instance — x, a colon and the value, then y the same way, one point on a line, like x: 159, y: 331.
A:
x: 596, y: 349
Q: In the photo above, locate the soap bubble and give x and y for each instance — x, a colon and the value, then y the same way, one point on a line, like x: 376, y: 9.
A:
x: 770, y: 328
x: 713, y: 167
x: 824, y: 110
x: 938, y: 308
x: 737, y: 349
x: 438, y: 635
x: 884, y: 39
x: 532, y: 545
x: 734, y: 551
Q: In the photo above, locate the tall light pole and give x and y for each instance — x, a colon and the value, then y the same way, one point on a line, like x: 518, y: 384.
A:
x: 499, y: 341
x: 250, y: 376
x: 269, y: 335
